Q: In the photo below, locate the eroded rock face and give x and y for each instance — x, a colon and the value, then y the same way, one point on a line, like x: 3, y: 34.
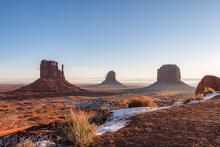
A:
x: 50, y: 70
x: 168, y: 73
x: 208, y: 81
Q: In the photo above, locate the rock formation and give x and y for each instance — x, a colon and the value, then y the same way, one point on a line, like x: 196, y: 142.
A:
x: 168, y: 78
x: 169, y: 73
x: 50, y: 70
x: 52, y: 80
x: 109, y: 82
x: 208, y: 81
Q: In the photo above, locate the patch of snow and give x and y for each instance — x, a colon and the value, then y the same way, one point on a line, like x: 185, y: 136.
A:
x: 45, y: 143
x: 210, y: 96
x: 119, y: 118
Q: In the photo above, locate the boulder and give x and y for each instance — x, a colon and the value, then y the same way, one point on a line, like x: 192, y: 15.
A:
x: 208, y: 81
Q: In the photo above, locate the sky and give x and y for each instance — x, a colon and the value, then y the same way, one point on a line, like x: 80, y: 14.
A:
x: 91, y: 37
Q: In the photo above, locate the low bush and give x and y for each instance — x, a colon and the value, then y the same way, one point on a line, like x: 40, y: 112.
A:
x: 101, y: 116
x: 78, y: 129
x: 141, y: 102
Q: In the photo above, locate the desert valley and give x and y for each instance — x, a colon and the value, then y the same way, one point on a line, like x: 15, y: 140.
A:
x: 36, y: 114
x: 109, y: 73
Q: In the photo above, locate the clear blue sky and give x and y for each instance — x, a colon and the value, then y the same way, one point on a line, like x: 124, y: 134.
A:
x: 90, y: 37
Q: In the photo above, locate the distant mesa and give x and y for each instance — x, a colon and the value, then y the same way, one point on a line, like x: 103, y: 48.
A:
x: 52, y: 80
x: 109, y: 82
x: 169, y: 74
x: 168, y: 78
x: 208, y: 81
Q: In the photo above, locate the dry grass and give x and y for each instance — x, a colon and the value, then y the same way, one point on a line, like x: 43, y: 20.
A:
x: 208, y: 90
x: 26, y: 143
x: 79, y: 130
x: 101, y: 116
x: 124, y: 100
x: 145, y: 102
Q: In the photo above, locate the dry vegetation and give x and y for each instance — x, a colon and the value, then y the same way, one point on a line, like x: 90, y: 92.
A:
x: 131, y: 100
x: 79, y: 130
x: 208, y: 90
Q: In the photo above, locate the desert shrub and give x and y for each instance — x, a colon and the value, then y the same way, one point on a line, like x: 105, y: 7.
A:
x: 141, y: 103
x: 101, y: 116
x: 78, y: 129
x: 208, y: 90
x: 103, y: 109
x: 26, y: 143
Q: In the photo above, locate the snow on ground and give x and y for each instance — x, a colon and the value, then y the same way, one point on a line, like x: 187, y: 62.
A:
x: 210, y: 96
x: 120, y: 118
x: 206, y: 97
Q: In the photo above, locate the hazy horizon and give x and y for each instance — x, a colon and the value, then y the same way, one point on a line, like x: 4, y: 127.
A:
x: 133, y: 38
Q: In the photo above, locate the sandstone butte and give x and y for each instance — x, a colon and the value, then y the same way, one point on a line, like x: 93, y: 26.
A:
x: 168, y: 78
x: 52, y: 80
x: 109, y: 82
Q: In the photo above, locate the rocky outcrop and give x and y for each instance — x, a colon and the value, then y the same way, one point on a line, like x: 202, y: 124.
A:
x: 208, y: 81
x: 52, y: 80
x: 168, y: 73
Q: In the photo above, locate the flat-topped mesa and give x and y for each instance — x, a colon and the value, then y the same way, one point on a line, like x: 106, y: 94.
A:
x: 169, y: 73
x: 168, y: 78
x: 50, y: 70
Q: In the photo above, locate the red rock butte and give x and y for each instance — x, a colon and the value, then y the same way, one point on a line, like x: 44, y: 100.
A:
x: 208, y: 81
x: 52, y: 80
x: 169, y: 73
x: 109, y: 82
x: 168, y: 78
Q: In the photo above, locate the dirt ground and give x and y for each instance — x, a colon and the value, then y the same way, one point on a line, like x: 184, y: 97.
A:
x: 192, y: 125
x: 16, y: 115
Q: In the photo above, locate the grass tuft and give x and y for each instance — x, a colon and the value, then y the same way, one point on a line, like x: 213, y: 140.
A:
x: 78, y: 129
